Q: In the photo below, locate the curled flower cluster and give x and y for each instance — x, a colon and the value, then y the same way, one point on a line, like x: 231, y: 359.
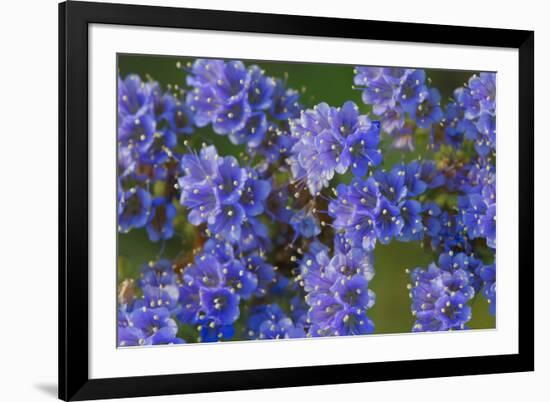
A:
x: 384, y: 206
x: 216, y: 190
x: 471, y: 115
x: 337, y: 290
x: 441, y: 294
x: 150, y: 122
x: 332, y: 140
x: 148, y: 321
x: 279, y: 242
x: 394, y: 94
x: 244, y: 104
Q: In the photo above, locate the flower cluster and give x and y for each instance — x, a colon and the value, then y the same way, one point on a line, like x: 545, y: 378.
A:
x: 149, y: 124
x: 217, y: 191
x: 395, y: 93
x: 478, y: 205
x: 332, y: 140
x: 383, y: 206
x: 278, y: 239
x: 441, y: 293
x: 244, y: 104
x: 148, y: 320
x: 471, y: 115
x: 269, y: 321
x: 337, y: 290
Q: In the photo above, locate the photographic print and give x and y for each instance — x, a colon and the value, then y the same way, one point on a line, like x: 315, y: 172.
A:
x: 264, y: 200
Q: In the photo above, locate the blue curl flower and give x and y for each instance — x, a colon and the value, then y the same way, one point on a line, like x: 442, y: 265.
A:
x: 136, y: 209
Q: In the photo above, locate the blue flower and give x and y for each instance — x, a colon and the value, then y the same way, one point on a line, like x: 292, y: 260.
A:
x: 264, y: 271
x: 284, y: 102
x: 232, y: 118
x: 428, y: 111
x: 209, y: 331
x: 355, y: 209
x: 414, y: 180
x: 363, y: 147
x: 483, y: 88
x: 337, y: 290
x: 278, y: 207
x: 135, y: 210
x: 180, y: 118
x: 228, y: 222
x: 220, y: 304
x: 189, y: 302
x: 364, y: 75
x: 160, y: 149
x: 470, y: 104
x: 229, y: 80
x: 254, y: 236
x: 305, y: 224
x: 157, y: 273
x: 412, y: 90
x: 331, y: 317
x: 202, y: 201
x: 204, y: 104
x: 276, y: 145
x: 254, y: 195
x: 413, y: 228
x: 161, y: 296
x: 241, y: 280
x: 199, y: 168
x: 206, y: 271
x: 381, y: 93
x: 137, y: 134
x: 261, y: 89
x: 487, y: 273
x: 134, y: 98
x: 199, y: 191
x: 354, y: 291
x: 253, y: 132
x: 388, y: 222
x: 160, y: 225
x: 439, y: 299
x: 156, y: 325
x: 430, y: 175
x: 392, y: 184
x: 355, y: 261
x: 393, y: 119
x: 329, y: 141
x: 486, y: 139
x: 268, y: 321
x: 230, y: 180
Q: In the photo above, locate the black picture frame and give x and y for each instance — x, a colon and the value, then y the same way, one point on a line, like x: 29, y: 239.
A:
x: 74, y: 19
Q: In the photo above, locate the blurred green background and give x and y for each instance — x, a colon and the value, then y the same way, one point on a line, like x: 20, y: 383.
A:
x: 318, y: 83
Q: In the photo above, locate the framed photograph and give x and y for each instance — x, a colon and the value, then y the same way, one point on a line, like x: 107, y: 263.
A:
x: 255, y: 200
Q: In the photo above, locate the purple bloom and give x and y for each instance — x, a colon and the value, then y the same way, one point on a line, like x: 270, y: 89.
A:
x: 428, y: 111
x: 439, y: 299
x: 253, y: 132
x: 134, y: 98
x: 261, y: 89
x: 254, y: 195
x: 230, y: 180
x: 231, y: 118
x: 220, y: 304
x: 135, y: 210
x: 388, y: 222
x: 483, y: 87
x: 160, y: 225
x: 412, y: 90
x: 284, y: 102
x: 160, y: 149
x: 228, y: 222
